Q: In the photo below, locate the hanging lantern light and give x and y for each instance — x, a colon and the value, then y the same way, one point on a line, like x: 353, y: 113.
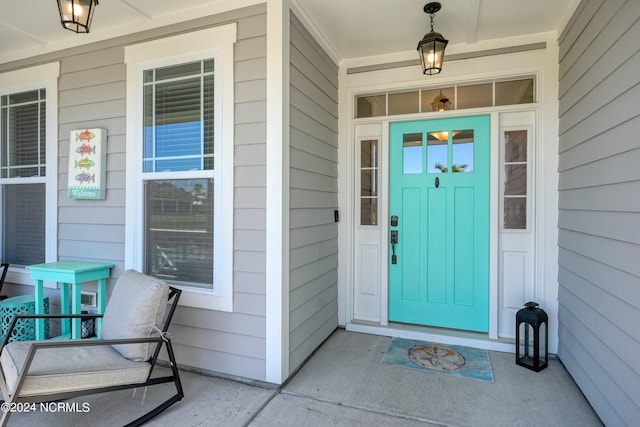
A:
x: 76, y: 15
x: 431, y: 47
x: 441, y: 102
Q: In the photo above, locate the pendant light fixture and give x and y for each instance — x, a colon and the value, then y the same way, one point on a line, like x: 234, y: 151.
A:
x: 431, y: 47
x: 441, y: 102
x: 76, y: 15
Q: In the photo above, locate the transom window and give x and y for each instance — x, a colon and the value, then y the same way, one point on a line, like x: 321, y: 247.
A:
x: 454, y: 97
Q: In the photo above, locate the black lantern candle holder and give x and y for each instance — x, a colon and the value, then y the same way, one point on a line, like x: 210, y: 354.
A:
x: 532, y: 338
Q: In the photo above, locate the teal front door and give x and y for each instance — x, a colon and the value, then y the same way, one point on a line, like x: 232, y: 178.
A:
x: 439, y: 225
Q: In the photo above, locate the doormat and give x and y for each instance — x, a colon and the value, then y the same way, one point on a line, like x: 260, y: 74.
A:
x: 454, y: 360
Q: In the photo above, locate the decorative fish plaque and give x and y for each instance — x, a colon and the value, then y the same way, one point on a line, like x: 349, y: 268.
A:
x: 87, y: 164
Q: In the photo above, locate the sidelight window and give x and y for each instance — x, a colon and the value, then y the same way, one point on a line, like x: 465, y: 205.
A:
x: 515, y: 179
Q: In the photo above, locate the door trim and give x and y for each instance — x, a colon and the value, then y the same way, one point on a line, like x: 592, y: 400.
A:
x: 352, y: 229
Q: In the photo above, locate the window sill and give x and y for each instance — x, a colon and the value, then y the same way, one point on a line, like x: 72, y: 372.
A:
x: 22, y: 276
x: 206, y: 300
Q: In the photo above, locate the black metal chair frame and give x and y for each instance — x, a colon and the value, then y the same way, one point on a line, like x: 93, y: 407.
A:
x: 4, y: 266
x: 164, y: 338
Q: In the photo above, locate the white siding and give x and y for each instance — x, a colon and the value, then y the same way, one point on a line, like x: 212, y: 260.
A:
x: 93, y: 94
x: 599, y: 188
x: 313, y: 195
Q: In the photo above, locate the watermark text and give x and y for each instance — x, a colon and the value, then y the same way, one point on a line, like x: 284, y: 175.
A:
x: 49, y: 407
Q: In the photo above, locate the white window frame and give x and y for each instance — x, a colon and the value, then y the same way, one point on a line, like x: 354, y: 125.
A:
x: 217, y: 43
x: 528, y: 128
x: 23, y: 80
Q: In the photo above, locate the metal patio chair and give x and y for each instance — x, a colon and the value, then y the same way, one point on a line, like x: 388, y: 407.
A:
x: 3, y: 269
x: 134, y: 329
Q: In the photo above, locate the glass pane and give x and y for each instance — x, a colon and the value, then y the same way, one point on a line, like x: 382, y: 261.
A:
x: 368, y: 168
x: 179, y: 230
x: 187, y: 164
x: 515, y: 146
x: 23, y: 224
x: 515, y: 180
x: 208, y: 103
x: 369, y: 211
x: 208, y: 66
x: 462, y: 151
x: 438, y: 99
x: 412, y: 153
x: 176, y: 71
x: 474, y: 96
x: 148, y: 129
x: 371, y: 106
x: 18, y: 98
x: 368, y: 181
x: 437, y: 152
x: 542, y: 355
x: 515, y: 213
x: 23, y: 138
x: 404, y: 103
x: 368, y: 185
x: 178, y: 120
x: 514, y: 92
x: 369, y: 153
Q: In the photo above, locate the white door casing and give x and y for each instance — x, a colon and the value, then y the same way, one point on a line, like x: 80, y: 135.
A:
x: 516, y: 246
x: 539, y: 281
x: 512, y: 251
x: 369, y: 293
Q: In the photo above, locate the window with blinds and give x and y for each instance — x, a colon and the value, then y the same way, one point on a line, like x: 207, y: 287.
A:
x: 179, y: 140
x: 23, y: 134
x: 178, y: 117
x: 22, y: 169
x: 23, y: 224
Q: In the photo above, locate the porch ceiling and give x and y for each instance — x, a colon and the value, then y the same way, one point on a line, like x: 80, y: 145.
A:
x: 350, y: 29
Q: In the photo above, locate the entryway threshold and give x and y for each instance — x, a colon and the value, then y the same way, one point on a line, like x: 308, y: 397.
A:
x: 432, y: 334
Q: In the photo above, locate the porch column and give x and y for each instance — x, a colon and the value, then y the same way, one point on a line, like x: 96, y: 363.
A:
x: 277, y: 221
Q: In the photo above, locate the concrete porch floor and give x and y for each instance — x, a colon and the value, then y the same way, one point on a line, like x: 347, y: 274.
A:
x: 344, y: 384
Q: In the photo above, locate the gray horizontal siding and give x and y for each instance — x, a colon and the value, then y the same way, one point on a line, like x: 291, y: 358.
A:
x: 599, y: 184
x: 313, y: 195
x: 92, y: 89
x: 92, y: 93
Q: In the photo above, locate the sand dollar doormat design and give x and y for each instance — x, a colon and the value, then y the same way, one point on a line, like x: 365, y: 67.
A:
x: 454, y: 360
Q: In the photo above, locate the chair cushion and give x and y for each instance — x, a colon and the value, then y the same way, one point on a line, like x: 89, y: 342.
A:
x: 135, y: 309
x: 69, y: 369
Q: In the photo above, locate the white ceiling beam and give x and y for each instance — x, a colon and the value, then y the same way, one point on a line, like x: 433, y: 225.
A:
x: 473, y: 17
x: 24, y: 33
x: 139, y: 12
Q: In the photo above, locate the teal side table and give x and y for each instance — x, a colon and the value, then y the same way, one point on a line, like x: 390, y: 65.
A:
x: 25, y: 329
x: 69, y: 273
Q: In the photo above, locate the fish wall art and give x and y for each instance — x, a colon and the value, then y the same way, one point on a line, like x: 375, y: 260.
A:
x: 87, y: 164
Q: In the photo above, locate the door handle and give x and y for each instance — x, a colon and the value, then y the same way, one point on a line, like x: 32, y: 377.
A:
x: 437, y: 183
x: 394, y: 242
